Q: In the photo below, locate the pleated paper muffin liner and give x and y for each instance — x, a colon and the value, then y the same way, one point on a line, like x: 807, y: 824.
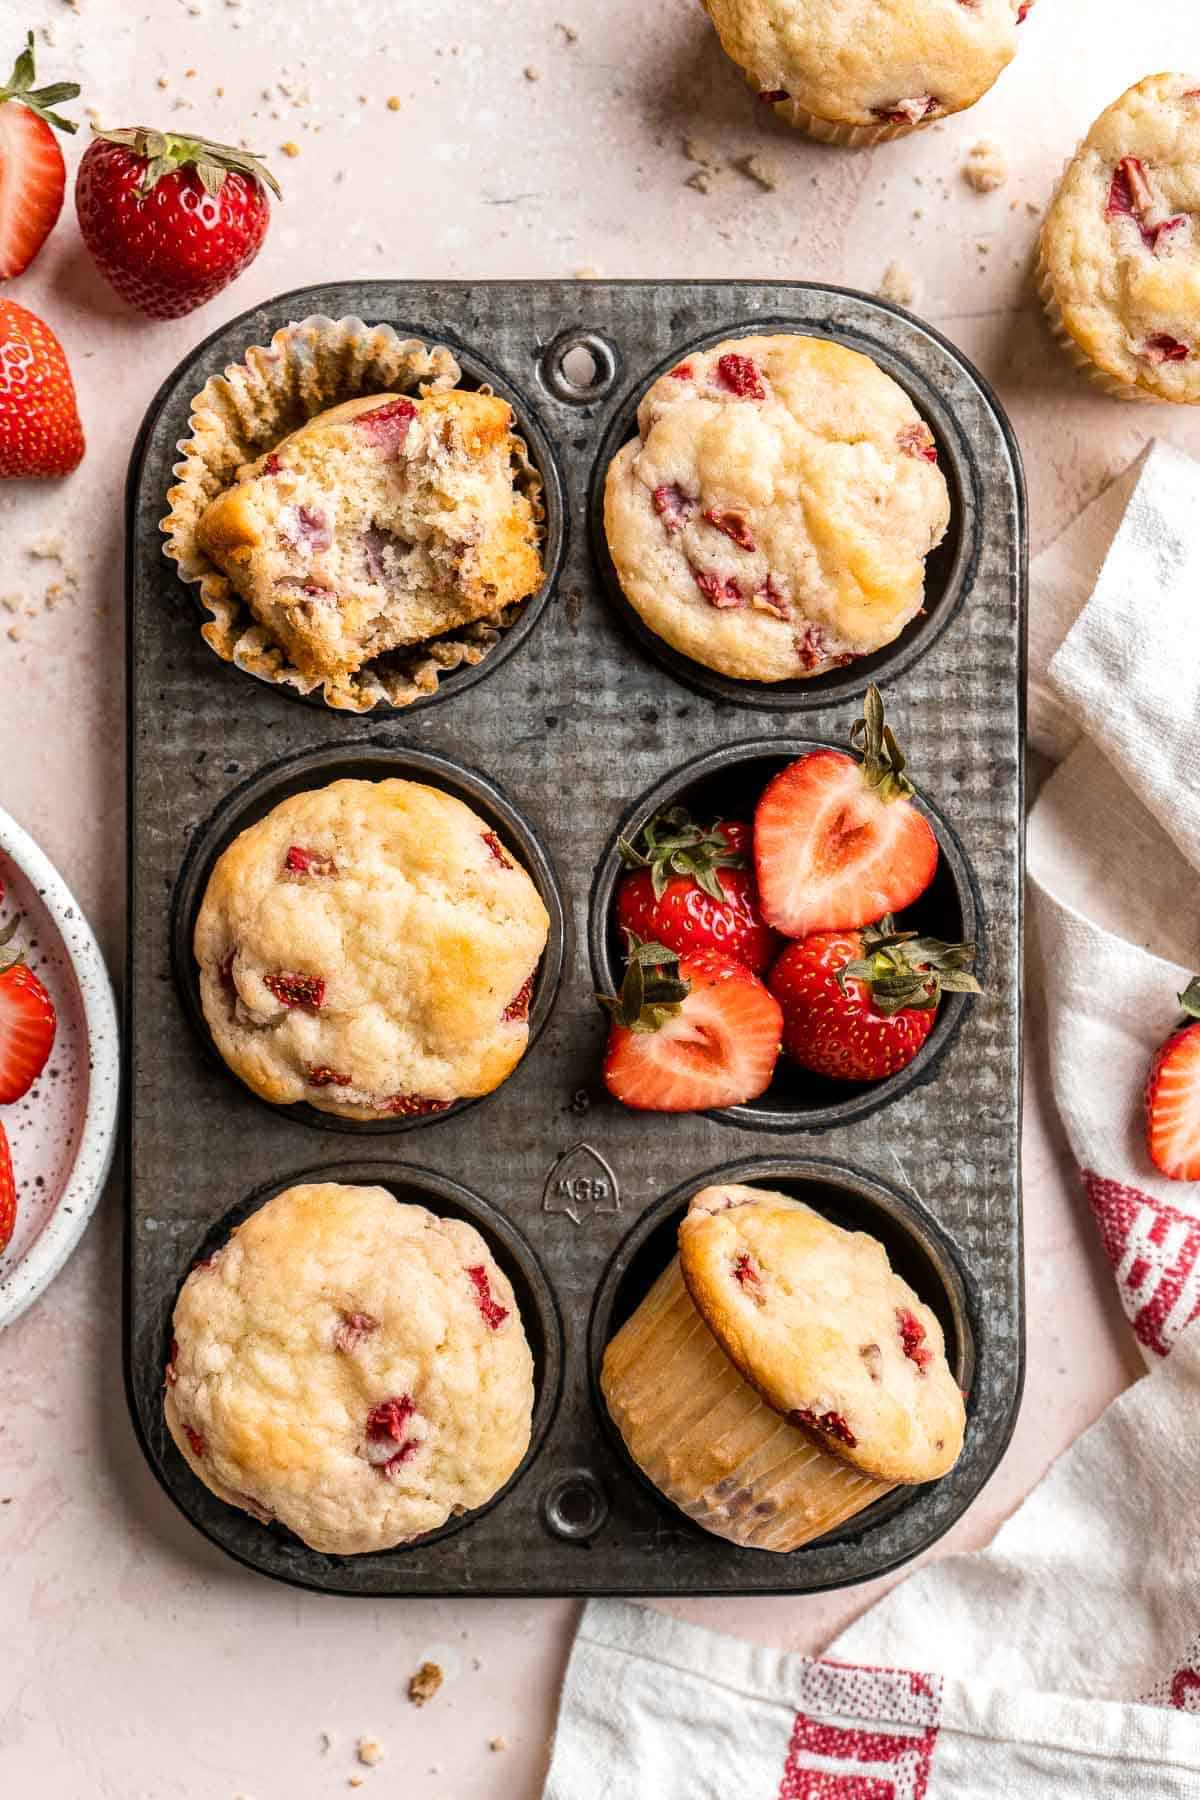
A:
x: 1112, y: 385
x: 710, y: 1443
x: 241, y: 414
x: 840, y: 131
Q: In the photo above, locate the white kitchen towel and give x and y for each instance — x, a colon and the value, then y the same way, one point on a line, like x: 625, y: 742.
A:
x: 1064, y: 1660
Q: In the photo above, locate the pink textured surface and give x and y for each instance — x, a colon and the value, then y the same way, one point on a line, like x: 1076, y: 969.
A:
x: 137, y: 1660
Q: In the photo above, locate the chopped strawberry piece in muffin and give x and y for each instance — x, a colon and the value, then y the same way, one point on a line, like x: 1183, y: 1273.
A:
x: 828, y: 1424
x: 917, y: 440
x: 321, y: 1076
x: 672, y: 506
x: 719, y: 591
x: 354, y: 1330
x: 389, y: 1445
x: 194, y: 1439
x: 387, y: 426
x: 414, y: 1106
x: 912, y: 1337
x: 299, y: 861
x: 682, y: 372
x: 1164, y: 349
x: 491, y: 1311
x: 497, y: 849
x: 518, y: 1007
x: 297, y: 990
x: 741, y: 375
x: 734, y: 524
x: 907, y: 112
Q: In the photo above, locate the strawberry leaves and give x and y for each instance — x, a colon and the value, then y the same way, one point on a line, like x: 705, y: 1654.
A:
x: 905, y: 971
x: 39, y: 100
x: 653, y: 990
x: 673, y: 844
x: 883, y: 761
x: 164, y: 153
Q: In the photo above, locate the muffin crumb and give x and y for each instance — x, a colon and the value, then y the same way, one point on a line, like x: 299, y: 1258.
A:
x: 702, y: 180
x: 532, y: 72
x: 986, y: 167
x: 393, y: 103
x: 897, y: 284
x: 497, y: 1744
x: 425, y: 1683
x: 369, y: 1751
x: 760, y: 170
x: 290, y: 147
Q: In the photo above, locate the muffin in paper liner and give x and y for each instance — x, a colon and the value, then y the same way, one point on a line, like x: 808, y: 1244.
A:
x: 710, y: 1443
x: 246, y: 411
x: 1140, y: 120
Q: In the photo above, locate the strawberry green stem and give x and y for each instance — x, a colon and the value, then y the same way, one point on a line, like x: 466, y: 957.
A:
x: 39, y: 100
x: 165, y: 151
x: 904, y: 971
x: 882, y: 758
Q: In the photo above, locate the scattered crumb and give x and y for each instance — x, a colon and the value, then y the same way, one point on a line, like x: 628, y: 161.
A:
x: 585, y: 272
x: 16, y: 632
x: 164, y: 81
x: 355, y: 1781
x: 50, y: 32
x: 569, y: 32
x: 897, y: 284
x: 425, y: 1683
x: 188, y: 74
x: 986, y: 167
x: 1031, y: 206
x: 702, y: 180
x: 532, y: 72
x: 12, y: 602
x: 327, y: 1741
x: 393, y: 103
x: 476, y: 1662
x: 497, y: 1743
x: 759, y: 169
x: 369, y: 1751
x: 290, y: 148
x: 697, y: 151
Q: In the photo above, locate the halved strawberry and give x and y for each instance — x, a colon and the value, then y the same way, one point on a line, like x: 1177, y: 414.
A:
x: 8, y: 1194
x: 32, y: 172
x: 27, y: 1022
x: 837, y: 842
x: 858, y: 1005
x: 1173, y: 1097
x: 692, y: 890
x: 689, y: 1034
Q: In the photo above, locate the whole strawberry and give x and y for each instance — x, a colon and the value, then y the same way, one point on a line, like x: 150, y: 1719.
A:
x: 28, y: 1022
x: 1173, y: 1096
x: 170, y: 220
x: 858, y: 1005
x: 32, y: 172
x: 40, y: 433
x: 692, y: 890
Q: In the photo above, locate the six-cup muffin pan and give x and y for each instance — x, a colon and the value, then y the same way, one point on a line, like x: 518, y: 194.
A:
x: 574, y: 731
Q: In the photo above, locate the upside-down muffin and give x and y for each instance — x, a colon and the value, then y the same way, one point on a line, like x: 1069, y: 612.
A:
x: 779, y: 1376
x: 354, y: 1368
x: 370, y: 947
x: 772, y: 518
x: 860, y: 71
x: 1119, y: 263
x: 381, y: 523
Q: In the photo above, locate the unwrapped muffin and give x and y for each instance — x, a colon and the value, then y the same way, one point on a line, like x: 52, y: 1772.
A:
x: 773, y: 516
x: 370, y: 947
x: 860, y: 71
x: 779, y: 1376
x: 1119, y: 259
x: 329, y: 1366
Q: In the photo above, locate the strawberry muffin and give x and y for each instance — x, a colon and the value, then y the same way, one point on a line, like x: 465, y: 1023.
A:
x: 354, y: 1368
x: 1119, y: 262
x: 779, y: 1376
x: 860, y: 71
x: 381, y: 523
x: 370, y: 947
x: 772, y: 518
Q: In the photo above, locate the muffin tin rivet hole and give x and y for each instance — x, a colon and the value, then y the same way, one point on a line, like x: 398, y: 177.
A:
x: 575, y: 1506
x: 579, y: 367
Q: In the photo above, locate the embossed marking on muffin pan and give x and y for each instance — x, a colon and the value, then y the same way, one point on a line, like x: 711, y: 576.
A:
x: 364, y: 760
x: 571, y: 731
x: 413, y: 1186
x: 718, y: 785
x: 916, y: 1247
x: 949, y: 569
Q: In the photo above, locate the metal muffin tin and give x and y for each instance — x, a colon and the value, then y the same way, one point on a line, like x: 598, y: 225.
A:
x: 554, y: 741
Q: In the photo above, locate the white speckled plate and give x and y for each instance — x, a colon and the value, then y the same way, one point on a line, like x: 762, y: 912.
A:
x: 62, y: 1132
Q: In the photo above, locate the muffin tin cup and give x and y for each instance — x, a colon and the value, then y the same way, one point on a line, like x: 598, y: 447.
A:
x: 917, y: 1249
x: 567, y: 733
x: 949, y: 568
x: 726, y: 783
x: 243, y: 1536
x: 362, y: 760
x: 290, y: 375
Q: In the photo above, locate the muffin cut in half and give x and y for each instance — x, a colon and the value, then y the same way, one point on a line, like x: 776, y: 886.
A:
x: 772, y: 518
x: 370, y: 947
x: 1119, y: 258
x: 779, y: 1376
x: 861, y: 71
x: 381, y: 523
x: 328, y: 1365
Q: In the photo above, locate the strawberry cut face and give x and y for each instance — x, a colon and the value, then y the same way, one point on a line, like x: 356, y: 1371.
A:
x: 831, y: 853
